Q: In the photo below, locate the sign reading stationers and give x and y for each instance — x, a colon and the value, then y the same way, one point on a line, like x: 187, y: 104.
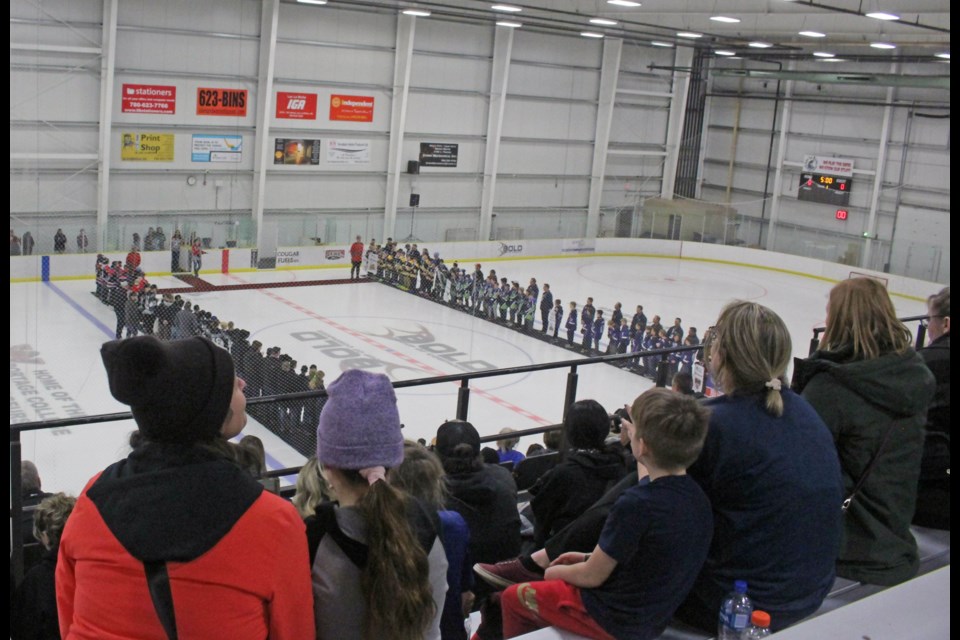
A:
x: 438, y: 154
x: 148, y: 98
x: 355, y: 108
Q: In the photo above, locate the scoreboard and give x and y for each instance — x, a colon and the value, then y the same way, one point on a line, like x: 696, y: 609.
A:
x: 826, y: 180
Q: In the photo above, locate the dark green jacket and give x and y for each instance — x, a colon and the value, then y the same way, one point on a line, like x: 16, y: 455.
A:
x: 858, y: 400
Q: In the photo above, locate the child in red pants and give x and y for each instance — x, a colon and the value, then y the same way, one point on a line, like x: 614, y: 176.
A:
x: 652, y: 546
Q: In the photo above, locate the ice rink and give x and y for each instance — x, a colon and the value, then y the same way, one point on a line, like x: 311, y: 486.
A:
x: 56, y: 330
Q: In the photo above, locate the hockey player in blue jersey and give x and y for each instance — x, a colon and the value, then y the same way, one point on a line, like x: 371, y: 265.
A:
x: 571, y: 324
x: 599, y: 324
x: 586, y: 324
x: 613, y: 337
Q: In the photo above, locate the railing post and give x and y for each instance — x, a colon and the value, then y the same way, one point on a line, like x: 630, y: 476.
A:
x: 16, y: 507
x: 463, y: 399
x: 921, y: 336
x: 663, y: 369
x: 814, y: 344
x: 571, y: 395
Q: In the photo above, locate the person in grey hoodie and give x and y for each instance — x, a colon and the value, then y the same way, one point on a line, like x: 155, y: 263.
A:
x: 872, y: 391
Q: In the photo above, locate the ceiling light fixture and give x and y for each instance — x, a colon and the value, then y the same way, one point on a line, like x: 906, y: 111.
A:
x: 688, y: 34
x: 725, y: 19
x: 760, y: 45
x: 882, y: 15
x: 312, y: 1
x: 624, y: 3
x: 507, y: 23
x: 813, y: 34
x: 603, y: 21
x: 662, y: 44
x: 591, y: 34
x: 823, y: 54
x: 725, y: 53
x: 883, y: 45
x: 506, y: 7
x: 945, y: 56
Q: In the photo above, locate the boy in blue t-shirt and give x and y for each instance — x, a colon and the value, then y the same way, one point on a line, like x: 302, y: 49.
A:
x: 652, y: 547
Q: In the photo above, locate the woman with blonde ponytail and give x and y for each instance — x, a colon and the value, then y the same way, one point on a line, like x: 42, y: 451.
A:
x: 379, y: 569
x: 770, y: 470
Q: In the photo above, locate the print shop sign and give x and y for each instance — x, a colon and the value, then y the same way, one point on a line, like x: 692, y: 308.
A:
x: 421, y: 339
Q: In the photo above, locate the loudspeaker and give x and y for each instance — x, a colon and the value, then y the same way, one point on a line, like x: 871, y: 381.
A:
x: 414, y: 199
x: 413, y: 167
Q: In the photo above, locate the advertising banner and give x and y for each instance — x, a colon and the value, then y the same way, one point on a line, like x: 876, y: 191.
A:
x: 148, y: 98
x: 348, y: 151
x: 296, y: 151
x: 213, y: 148
x: 438, y: 154
x: 355, y: 108
x: 221, y: 102
x: 578, y: 245
x: 833, y: 166
x: 296, y: 106
x: 148, y: 147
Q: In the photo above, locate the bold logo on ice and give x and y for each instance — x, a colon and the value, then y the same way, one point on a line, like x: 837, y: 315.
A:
x: 334, y: 254
x: 422, y: 339
x: 510, y: 248
x: 350, y: 357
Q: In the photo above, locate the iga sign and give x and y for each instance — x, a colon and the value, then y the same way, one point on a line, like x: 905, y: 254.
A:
x: 356, y: 108
x: 296, y: 106
x: 148, y: 98
x: 221, y: 102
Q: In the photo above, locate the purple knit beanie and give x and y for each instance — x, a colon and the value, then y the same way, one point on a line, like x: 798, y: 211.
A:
x: 360, y: 425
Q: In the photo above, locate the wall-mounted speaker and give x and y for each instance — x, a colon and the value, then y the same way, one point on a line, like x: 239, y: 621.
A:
x: 413, y: 167
x: 414, y: 199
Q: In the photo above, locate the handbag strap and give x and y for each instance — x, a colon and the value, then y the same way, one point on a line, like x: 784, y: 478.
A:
x: 159, y: 582
x: 866, y: 472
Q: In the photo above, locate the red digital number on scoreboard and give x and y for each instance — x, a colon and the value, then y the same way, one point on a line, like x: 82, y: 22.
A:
x: 841, y: 214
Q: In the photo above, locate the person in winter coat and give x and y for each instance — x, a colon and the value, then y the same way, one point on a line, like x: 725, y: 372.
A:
x: 484, y: 494
x: 177, y: 538
x: 567, y: 490
x: 872, y: 389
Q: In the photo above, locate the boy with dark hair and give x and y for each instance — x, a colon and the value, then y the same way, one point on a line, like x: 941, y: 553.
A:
x: 557, y: 316
x: 653, y: 543
x: 571, y: 325
x: 586, y: 324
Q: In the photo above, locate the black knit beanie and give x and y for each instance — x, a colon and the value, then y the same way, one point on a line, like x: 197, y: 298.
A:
x: 179, y: 391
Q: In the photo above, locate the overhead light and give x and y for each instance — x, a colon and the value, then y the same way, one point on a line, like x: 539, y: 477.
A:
x: 945, y: 56
x: 725, y: 53
x: 506, y: 7
x: 591, y: 34
x: 725, y: 19
x: 830, y: 60
x: 312, y: 1
x: 624, y: 3
x: 416, y: 12
x: 882, y: 15
x: 603, y: 21
x: 760, y: 45
x: 661, y: 44
x: 813, y: 34
x: 883, y: 45
x: 507, y: 23
x: 688, y: 34
x: 823, y: 54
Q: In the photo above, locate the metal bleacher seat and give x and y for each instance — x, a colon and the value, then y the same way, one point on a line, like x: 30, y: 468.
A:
x: 530, y: 469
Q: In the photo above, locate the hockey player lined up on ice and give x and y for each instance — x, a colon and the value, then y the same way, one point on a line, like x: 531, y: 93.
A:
x: 571, y: 325
x: 441, y: 277
x: 599, y: 324
x: 613, y: 337
x: 529, y: 310
x: 649, y: 343
x: 617, y: 315
x: 558, y: 317
x: 491, y: 293
x: 586, y: 324
x: 534, y: 289
x: 546, y: 303
x: 515, y: 297
x: 656, y: 326
x: 428, y: 271
x: 636, y: 344
x: 373, y: 262
x: 624, y: 336
x: 675, y: 333
x: 102, y: 263
x: 504, y: 299
x: 477, y: 286
x: 638, y: 323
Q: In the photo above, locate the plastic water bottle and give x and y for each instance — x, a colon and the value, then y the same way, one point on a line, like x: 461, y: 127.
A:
x: 759, y: 625
x: 735, y: 613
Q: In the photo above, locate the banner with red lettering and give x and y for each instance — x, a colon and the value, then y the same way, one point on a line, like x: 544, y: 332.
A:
x: 148, y: 98
x: 355, y: 108
x: 221, y: 102
x: 296, y: 106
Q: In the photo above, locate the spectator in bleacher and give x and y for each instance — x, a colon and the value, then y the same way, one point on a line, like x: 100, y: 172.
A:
x: 505, y: 448
x: 381, y: 571
x: 421, y: 474
x: 933, y: 497
x: 535, y: 449
x: 312, y: 489
x: 14, y: 243
x: 82, y: 241
x: 484, y: 494
x: 31, y: 494
x: 59, y: 241
x: 489, y: 455
x: 872, y: 389
x: 651, y: 548
x: 256, y: 458
x: 771, y: 472
x: 567, y: 490
x: 34, y: 610
x: 683, y: 383
x: 179, y: 515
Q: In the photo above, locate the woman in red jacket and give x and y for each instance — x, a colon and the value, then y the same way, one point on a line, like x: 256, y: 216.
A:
x: 176, y: 539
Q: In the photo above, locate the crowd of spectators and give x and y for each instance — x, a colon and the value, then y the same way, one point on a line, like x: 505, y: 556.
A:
x: 498, y: 299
